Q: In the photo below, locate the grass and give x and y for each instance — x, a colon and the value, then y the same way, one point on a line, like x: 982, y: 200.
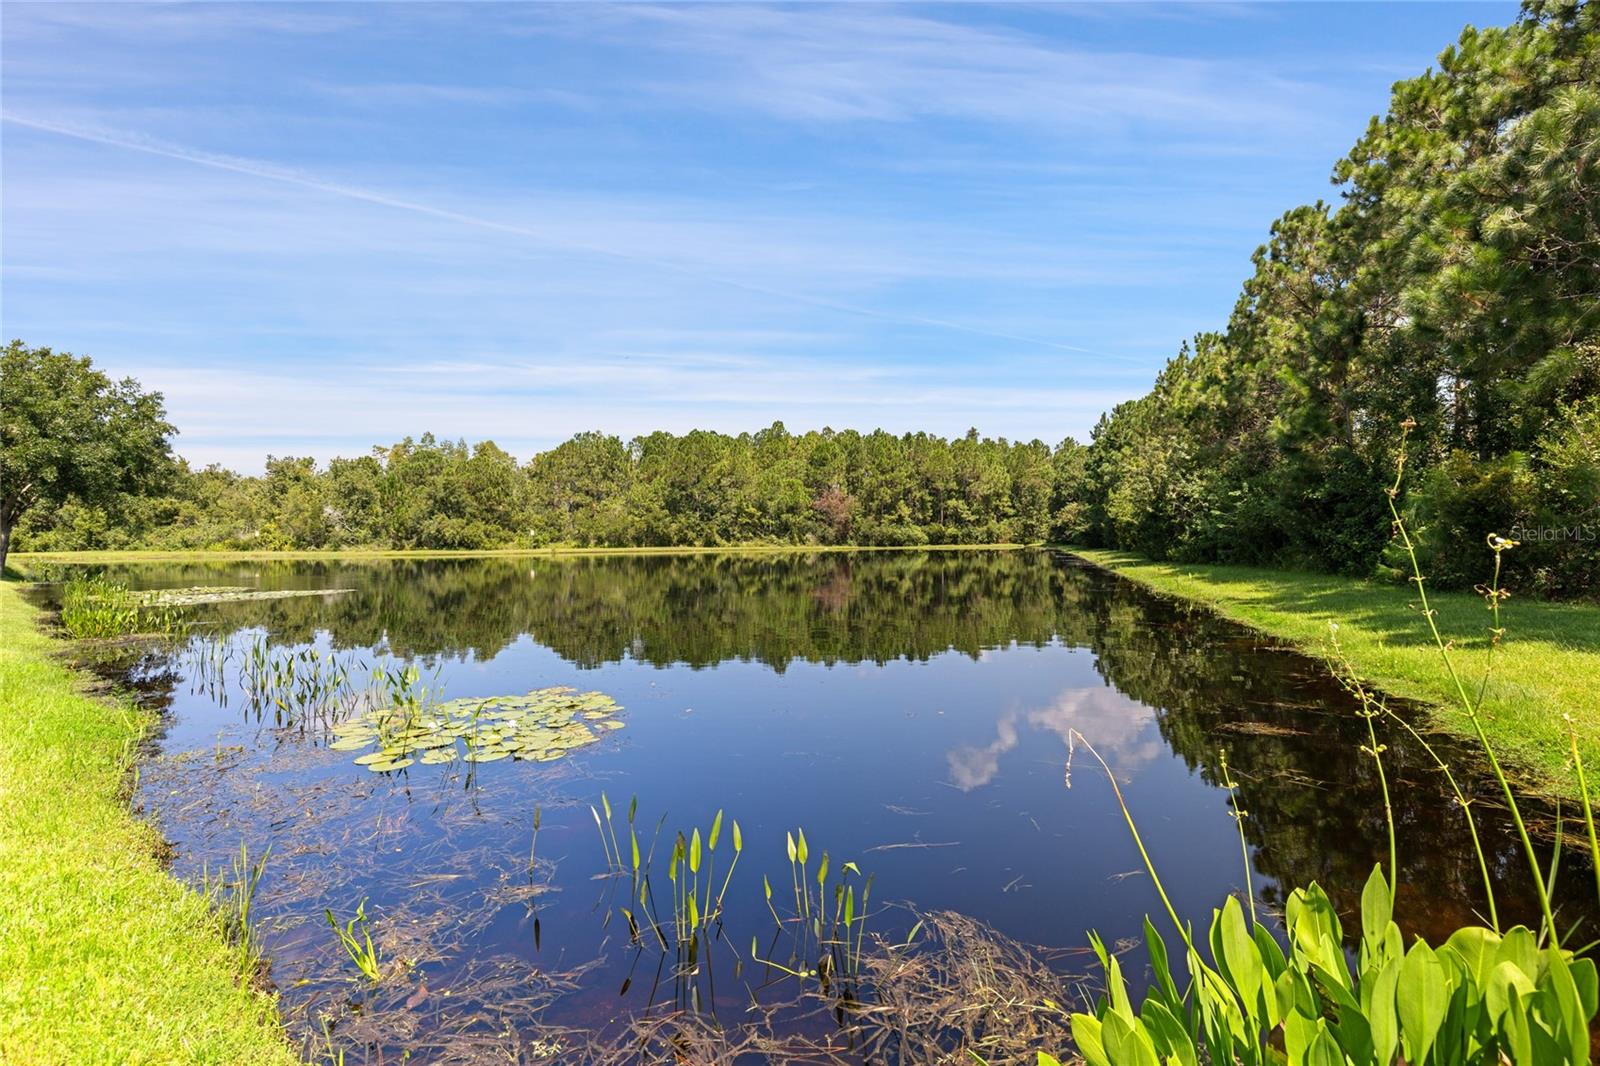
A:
x: 1545, y: 669
x: 104, y: 957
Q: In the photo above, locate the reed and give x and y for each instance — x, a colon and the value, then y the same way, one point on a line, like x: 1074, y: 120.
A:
x: 355, y: 937
x: 232, y: 899
x: 94, y: 606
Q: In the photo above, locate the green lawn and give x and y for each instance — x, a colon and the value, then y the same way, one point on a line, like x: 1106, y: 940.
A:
x: 104, y: 958
x: 1548, y: 666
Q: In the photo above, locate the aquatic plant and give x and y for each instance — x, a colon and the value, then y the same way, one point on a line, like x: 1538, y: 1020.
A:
x: 303, y: 689
x: 356, y: 939
x: 232, y: 900
x: 1486, y: 996
x: 206, y: 594
x: 95, y: 606
x: 544, y: 725
x: 827, y: 940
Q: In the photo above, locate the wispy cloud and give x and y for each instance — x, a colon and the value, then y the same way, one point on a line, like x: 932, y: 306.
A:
x: 857, y: 62
x: 548, y: 237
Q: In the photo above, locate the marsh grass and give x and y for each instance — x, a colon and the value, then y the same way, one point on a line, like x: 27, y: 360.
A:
x: 307, y: 690
x: 355, y: 938
x: 95, y: 607
x: 232, y: 900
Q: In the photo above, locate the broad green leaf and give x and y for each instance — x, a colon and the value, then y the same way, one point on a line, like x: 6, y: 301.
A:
x: 1478, y: 950
x: 1240, y: 957
x: 1422, y: 1000
x: 1574, y: 1022
x: 1324, y: 1050
x: 1377, y: 908
x: 1126, y: 1042
x: 1505, y: 978
x: 1378, y: 1000
x: 1086, y: 1031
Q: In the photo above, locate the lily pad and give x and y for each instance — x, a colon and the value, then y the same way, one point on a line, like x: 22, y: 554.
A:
x: 543, y: 725
x: 200, y: 594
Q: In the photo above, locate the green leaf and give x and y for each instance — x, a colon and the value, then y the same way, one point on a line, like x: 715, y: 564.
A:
x: 1240, y: 958
x: 1126, y: 1042
x: 716, y: 831
x: 1086, y: 1033
x: 1477, y: 949
x: 1377, y: 910
x: 1378, y: 1000
x: 1422, y: 1000
x: 1324, y: 1050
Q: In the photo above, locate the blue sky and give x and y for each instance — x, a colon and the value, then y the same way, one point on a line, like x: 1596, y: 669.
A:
x: 316, y: 228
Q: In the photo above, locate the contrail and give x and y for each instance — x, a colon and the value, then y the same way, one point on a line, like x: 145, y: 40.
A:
x: 268, y: 172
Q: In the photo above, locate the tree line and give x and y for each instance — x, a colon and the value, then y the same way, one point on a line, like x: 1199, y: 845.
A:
x: 1457, y: 286
x: 1455, y: 289
x: 696, y: 489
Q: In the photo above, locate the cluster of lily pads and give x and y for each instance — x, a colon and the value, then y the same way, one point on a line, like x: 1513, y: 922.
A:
x: 543, y: 725
x: 199, y: 594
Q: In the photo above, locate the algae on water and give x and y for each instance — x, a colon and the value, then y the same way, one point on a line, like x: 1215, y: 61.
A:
x: 199, y: 594
x: 543, y: 725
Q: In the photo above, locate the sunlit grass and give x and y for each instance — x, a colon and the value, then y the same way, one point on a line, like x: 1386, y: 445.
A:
x: 1545, y: 669
x: 104, y: 957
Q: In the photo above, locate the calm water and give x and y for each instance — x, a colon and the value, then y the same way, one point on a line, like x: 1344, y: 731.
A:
x: 910, y: 710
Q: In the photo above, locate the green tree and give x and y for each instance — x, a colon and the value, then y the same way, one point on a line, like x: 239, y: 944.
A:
x: 68, y: 432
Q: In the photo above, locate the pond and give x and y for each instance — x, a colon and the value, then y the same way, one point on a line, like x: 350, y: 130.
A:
x: 911, y: 712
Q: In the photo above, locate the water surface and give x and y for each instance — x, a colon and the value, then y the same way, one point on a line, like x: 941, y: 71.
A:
x: 912, y: 711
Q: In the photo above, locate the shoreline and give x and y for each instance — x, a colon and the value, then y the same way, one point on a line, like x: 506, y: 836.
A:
x: 105, y: 956
x: 1542, y: 672
x: 148, y: 555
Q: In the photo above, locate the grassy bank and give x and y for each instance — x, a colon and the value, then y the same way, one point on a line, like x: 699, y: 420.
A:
x: 104, y: 958
x: 1547, y: 667
x: 22, y: 561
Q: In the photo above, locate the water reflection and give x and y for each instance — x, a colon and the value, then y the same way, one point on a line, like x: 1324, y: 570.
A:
x: 1121, y: 732
x: 886, y: 701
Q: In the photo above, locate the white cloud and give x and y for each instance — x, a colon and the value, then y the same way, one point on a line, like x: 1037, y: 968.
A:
x: 1118, y: 727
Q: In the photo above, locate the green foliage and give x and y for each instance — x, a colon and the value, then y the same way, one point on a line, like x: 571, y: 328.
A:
x: 1487, y: 995
x: 93, y: 606
x: 1455, y: 285
x: 1547, y: 500
x: 698, y: 489
x: 69, y: 433
x: 1481, y: 998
